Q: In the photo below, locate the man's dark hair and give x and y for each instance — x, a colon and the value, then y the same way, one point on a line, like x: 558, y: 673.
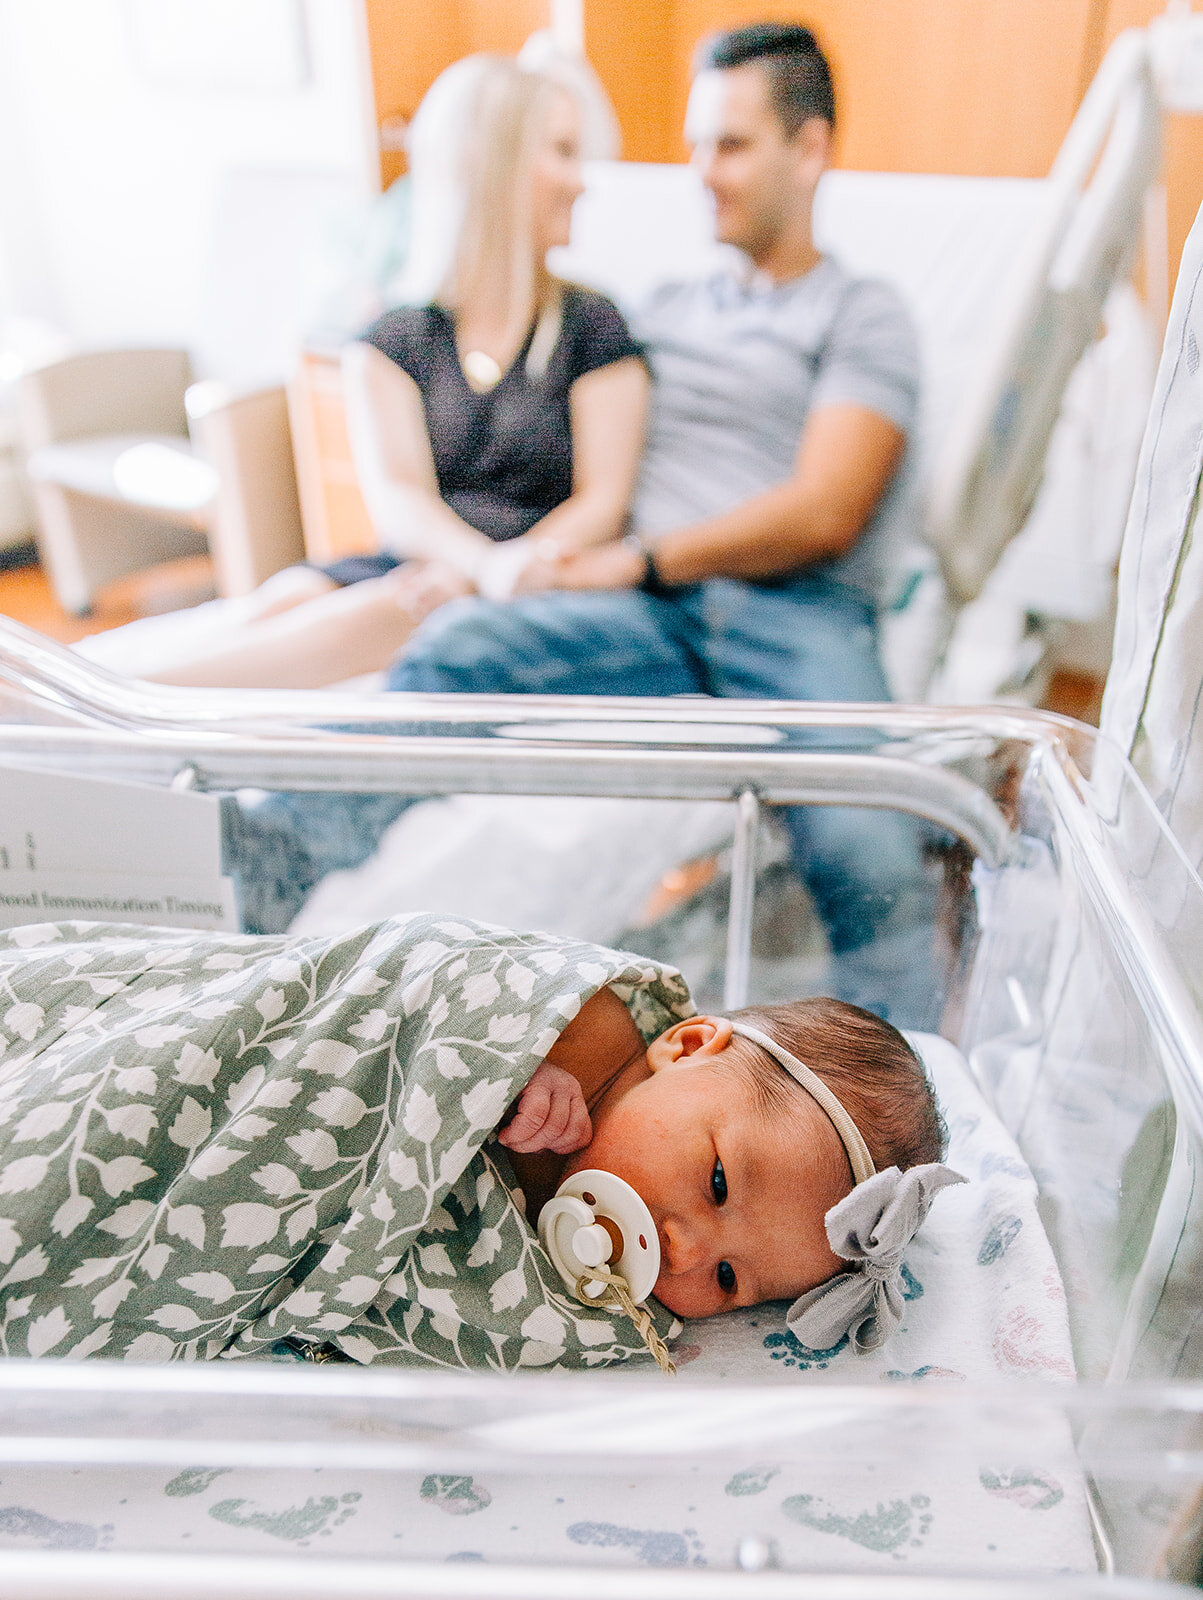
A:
x: 799, y: 77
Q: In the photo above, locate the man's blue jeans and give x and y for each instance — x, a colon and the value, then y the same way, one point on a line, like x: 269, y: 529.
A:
x: 804, y: 639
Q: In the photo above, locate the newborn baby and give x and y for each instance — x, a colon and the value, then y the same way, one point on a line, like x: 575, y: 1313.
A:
x: 738, y: 1161
x: 210, y: 1144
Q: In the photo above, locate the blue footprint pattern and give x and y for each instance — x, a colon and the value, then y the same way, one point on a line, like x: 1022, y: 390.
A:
x: 655, y: 1547
x: 22, y: 1525
x: 887, y: 1528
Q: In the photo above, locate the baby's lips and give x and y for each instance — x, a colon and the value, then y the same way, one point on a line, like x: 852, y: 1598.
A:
x: 663, y: 1291
x: 663, y: 1242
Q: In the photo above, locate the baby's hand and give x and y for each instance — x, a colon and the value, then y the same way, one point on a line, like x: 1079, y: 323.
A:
x: 551, y: 1115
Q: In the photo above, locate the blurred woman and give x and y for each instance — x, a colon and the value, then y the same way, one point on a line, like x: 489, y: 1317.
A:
x: 496, y: 413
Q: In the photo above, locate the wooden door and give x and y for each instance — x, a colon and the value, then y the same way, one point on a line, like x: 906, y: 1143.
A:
x: 411, y: 41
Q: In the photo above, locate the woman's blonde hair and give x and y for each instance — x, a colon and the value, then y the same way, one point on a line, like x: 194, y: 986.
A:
x: 472, y: 145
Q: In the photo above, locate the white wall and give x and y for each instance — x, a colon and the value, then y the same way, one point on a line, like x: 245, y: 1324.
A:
x: 110, y: 184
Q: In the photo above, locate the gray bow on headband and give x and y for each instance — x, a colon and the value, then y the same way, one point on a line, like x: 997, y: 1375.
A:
x: 872, y: 1227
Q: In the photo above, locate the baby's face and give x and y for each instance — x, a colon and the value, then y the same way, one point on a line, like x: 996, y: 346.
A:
x: 738, y: 1199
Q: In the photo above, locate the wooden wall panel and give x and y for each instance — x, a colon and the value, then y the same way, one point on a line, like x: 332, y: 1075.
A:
x: 984, y: 87
x: 411, y: 41
x: 1182, y: 174
x: 502, y: 24
x: 630, y: 44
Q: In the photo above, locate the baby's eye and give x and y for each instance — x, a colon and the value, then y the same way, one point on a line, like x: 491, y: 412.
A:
x: 718, y: 1183
x: 726, y: 1277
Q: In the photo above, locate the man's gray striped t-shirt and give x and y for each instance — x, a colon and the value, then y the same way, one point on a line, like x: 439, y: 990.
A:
x: 739, y: 364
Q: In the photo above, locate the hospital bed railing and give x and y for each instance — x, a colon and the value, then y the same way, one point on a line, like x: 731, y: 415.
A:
x: 919, y: 760
x: 992, y: 463
x: 1071, y: 926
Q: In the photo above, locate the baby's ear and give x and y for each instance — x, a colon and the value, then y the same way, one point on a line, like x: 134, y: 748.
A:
x: 695, y: 1037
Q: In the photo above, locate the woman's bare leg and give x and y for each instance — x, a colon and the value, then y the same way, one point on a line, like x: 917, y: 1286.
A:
x: 293, y: 586
x: 154, y: 647
x: 336, y: 634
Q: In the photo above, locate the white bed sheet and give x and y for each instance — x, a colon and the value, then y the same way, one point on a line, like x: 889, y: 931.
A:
x: 564, y: 864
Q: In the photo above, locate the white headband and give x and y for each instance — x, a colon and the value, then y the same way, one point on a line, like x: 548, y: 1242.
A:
x: 871, y: 1228
x: 858, y: 1151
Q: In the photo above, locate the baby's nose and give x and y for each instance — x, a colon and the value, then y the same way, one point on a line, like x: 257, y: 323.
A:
x: 681, y: 1248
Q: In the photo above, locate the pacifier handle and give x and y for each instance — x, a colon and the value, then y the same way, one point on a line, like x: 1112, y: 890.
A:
x: 596, y: 1219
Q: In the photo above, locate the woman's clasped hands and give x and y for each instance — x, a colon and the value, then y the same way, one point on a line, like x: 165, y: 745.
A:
x: 504, y: 571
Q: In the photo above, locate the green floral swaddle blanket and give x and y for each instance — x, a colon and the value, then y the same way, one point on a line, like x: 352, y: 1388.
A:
x: 209, y: 1142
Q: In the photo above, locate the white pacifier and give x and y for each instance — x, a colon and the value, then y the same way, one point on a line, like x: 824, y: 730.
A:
x: 596, y: 1220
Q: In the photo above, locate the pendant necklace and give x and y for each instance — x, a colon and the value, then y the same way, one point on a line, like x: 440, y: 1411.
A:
x: 481, y: 371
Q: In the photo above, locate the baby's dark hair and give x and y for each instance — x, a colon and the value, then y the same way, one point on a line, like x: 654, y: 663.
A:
x: 864, y: 1061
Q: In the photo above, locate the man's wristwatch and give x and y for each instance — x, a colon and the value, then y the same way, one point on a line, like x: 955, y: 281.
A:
x: 651, y: 582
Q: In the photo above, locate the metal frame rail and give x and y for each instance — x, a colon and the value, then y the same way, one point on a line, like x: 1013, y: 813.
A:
x: 68, y: 714
x: 753, y: 753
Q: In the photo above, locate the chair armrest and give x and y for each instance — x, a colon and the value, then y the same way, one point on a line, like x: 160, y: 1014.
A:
x: 255, y: 520
x: 211, y: 397
x: 104, y: 392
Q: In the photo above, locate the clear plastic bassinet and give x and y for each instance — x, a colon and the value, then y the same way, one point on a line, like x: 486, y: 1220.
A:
x: 1066, y: 935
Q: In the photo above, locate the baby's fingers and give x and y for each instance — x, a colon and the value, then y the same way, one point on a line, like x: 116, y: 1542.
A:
x: 577, y: 1132
x: 527, y: 1122
x: 567, y: 1126
x: 551, y: 1127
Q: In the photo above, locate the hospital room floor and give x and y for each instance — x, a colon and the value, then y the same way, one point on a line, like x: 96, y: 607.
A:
x: 26, y: 596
